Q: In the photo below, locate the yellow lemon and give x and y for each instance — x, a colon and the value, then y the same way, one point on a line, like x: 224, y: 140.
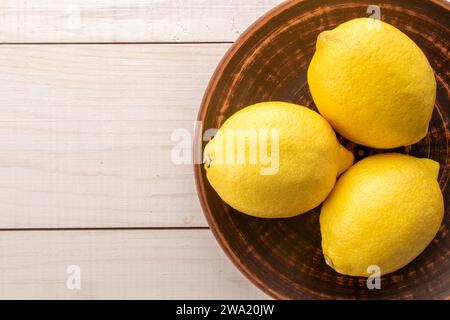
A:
x: 384, y: 211
x: 275, y: 159
x: 372, y: 83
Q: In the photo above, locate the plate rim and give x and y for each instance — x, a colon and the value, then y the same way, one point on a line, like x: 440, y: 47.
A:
x: 215, y: 78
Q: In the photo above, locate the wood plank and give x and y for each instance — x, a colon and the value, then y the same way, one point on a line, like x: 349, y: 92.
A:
x: 28, y: 21
x: 145, y: 264
x: 85, y: 134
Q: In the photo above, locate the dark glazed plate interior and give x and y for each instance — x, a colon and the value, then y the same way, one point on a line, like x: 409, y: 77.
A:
x: 269, y: 62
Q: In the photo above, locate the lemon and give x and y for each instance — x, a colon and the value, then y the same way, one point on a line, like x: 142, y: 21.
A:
x: 275, y: 159
x: 372, y: 83
x: 384, y: 211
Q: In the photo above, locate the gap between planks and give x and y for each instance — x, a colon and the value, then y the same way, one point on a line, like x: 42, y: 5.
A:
x: 102, y: 229
x: 110, y: 43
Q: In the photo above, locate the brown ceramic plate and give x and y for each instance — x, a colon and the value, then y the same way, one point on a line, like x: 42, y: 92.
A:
x: 283, y: 257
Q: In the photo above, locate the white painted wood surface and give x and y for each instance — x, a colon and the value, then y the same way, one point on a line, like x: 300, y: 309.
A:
x: 156, y: 264
x: 63, y: 21
x: 85, y: 134
x: 85, y: 142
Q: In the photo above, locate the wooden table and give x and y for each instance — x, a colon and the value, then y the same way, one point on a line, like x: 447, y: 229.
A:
x: 90, y: 95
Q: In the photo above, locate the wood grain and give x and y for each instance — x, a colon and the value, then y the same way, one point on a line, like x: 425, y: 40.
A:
x: 85, y: 134
x: 65, y: 21
x: 85, y: 141
x: 161, y: 264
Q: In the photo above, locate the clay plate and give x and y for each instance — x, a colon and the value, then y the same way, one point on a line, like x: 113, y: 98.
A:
x: 269, y: 61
